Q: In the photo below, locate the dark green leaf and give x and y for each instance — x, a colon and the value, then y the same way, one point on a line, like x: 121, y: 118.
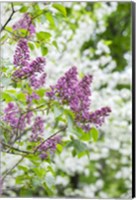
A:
x: 44, y: 50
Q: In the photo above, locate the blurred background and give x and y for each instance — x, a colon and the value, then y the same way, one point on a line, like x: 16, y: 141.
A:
x: 95, y: 37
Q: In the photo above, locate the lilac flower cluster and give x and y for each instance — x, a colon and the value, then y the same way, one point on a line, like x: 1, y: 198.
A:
x: 25, y: 23
x: 76, y: 94
x: 37, y: 129
x: 49, y: 146
x: 21, y: 57
x: 14, y: 117
x: 28, y: 69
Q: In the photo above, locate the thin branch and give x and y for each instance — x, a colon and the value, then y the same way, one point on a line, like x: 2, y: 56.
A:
x: 10, y: 17
x: 64, y: 128
x: 16, y: 149
x: 10, y: 170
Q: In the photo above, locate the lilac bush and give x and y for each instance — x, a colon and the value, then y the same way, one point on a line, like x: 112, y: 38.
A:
x: 27, y: 117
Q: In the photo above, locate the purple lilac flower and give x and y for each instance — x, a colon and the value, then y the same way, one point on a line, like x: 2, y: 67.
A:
x: 98, y: 117
x: 11, y: 115
x: 49, y: 146
x: 14, y: 117
x: 37, y: 129
x: 37, y: 82
x: 21, y: 57
x: 38, y: 64
x: 34, y: 70
x: 65, y: 87
x: 76, y: 93
x: 25, y: 23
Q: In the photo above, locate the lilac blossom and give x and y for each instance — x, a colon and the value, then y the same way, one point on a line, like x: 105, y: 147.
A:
x: 14, y: 117
x: 38, y: 64
x: 37, y: 129
x: 49, y: 146
x: 76, y: 93
x: 21, y: 57
x: 33, y: 70
x: 36, y: 82
x: 98, y: 117
x: 25, y: 23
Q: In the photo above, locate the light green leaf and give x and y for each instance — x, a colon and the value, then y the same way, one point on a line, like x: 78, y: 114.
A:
x: 60, y: 8
x: 59, y: 147
x: 23, y: 9
x: 31, y: 45
x: 55, y: 44
x: 94, y: 132
x: 50, y: 18
x: 43, y: 36
x: 8, y: 28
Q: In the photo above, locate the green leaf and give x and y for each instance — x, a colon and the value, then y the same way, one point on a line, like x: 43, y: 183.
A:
x: 21, y: 97
x: 22, y: 32
x: 60, y: 8
x: 44, y: 50
x: 59, y: 147
x: 70, y: 118
x: 50, y: 18
x: 43, y: 36
x: 55, y: 44
x: 25, y: 192
x: 86, y: 137
x: 20, y: 179
x: 78, y: 145
x: 41, y: 92
x: 31, y: 45
x: 23, y: 9
x: 8, y: 28
x: 94, y: 132
x: 23, y: 168
x: 40, y: 172
x: 3, y: 38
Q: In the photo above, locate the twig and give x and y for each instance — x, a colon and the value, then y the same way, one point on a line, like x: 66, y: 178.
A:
x: 49, y: 138
x: 10, y: 17
x: 16, y: 149
x: 10, y: 170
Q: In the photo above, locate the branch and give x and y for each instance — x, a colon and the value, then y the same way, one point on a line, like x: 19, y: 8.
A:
x: 10, y: 170
x: 64, y: 128
x: 16, y: 149
x: 10, y: 17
